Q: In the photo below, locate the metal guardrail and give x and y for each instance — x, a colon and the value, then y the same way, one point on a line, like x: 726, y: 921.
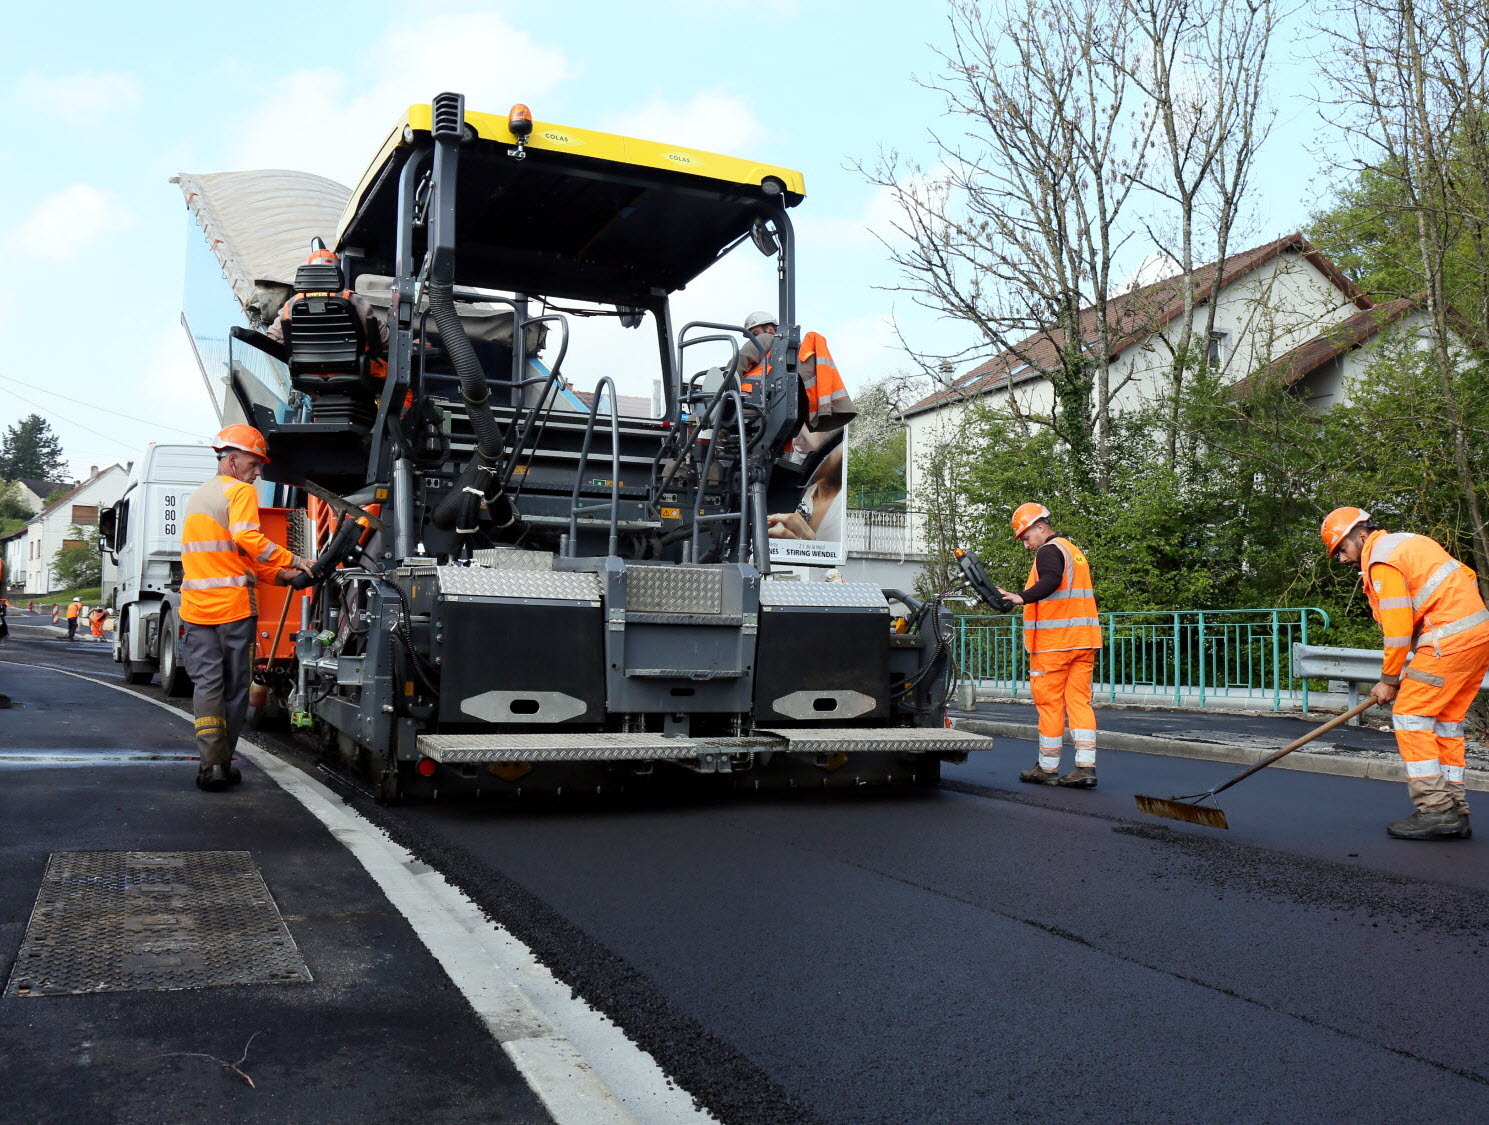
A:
x: 1186, y: 655
x: 1353, y: 666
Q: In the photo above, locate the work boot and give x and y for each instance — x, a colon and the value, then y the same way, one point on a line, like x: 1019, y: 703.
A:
x: 1040, y: 776
x: 1449, y: 824
x: 213, y: 779
x: 1082, y: 777
x: 234, y: 775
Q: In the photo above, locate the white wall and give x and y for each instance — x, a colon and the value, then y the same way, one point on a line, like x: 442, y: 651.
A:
x: 1263, y: 314
x: 46, y: 534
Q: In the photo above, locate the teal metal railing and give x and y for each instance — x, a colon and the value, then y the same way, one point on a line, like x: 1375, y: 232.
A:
x: 1189, y: 655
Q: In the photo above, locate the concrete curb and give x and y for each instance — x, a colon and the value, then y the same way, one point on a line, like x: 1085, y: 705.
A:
x: 1244, y: 756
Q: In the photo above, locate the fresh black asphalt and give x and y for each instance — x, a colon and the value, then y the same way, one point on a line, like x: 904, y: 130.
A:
x: 991, y: 951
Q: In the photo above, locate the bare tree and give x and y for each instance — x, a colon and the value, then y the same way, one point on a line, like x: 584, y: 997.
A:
x: 1203, y: 70
x: 1013, y: 226
x: 1412, y: 93
x: 1083, y: 124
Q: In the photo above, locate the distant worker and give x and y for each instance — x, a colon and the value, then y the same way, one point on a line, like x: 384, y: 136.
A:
x: 1062, y: 633
x: 96, y: 620
x: 74, y: 609
x: 829, y: 406
x: 1422, y: 597
x: 223, y: 555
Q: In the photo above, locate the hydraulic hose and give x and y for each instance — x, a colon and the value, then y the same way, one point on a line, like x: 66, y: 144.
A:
x: 481, y: 480
x: 338, y: 550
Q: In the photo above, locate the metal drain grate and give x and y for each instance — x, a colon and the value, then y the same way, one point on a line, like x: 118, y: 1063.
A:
x: 152, y: 921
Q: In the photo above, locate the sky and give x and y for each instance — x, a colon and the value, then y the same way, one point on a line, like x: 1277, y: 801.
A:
x: 106, y: 102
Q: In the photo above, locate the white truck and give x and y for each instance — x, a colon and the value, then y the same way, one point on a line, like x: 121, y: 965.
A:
x: 142, y: 533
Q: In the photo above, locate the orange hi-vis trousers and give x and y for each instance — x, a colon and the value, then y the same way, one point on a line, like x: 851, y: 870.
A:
x: 1061, y: 684
x: 1427, y: 717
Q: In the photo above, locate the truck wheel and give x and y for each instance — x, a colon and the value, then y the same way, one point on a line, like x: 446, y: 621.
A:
x: 134, y: 672
x: 173, y: 678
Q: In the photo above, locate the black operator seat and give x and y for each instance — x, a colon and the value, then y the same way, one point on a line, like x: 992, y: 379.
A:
x: 326, y: 338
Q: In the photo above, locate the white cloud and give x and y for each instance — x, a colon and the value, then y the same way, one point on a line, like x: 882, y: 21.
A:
x: 62, y: 225
x: 85, y: 99
x: 478, y: 54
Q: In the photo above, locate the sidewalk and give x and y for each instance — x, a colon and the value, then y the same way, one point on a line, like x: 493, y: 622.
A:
x: 1230, y: 736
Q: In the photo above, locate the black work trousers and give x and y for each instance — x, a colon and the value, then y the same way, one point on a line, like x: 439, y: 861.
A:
x: 219, y: 660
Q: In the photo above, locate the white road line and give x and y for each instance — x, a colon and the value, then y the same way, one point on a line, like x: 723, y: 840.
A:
x: 579, y: 1063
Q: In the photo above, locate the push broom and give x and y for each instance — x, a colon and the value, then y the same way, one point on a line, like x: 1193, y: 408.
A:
x: 1179, y: 808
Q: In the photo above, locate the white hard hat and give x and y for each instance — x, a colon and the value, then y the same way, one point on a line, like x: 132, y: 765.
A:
x: 759, y: 317
x: 77, y: 599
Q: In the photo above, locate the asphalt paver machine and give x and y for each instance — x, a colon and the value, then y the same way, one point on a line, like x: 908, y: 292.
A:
x: 524, y: 590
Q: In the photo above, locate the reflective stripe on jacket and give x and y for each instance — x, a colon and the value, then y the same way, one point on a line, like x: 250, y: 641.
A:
x: 1067, y: 618
x: 829, y: 406
x: 223, y: 553
x: 73, y: 609
x: 1421, y: 595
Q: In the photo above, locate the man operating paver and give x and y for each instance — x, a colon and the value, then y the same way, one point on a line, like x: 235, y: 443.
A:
x: 1425, y: 599
x: 1062, y: 634
x: 223, y: 553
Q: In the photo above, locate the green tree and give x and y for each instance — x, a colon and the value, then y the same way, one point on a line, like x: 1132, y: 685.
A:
x: 79, y: 563
x: 11, y: 506
x: 31, y: 451
x: 876, y: 447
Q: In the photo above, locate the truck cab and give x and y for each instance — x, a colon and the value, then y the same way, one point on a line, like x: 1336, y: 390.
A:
x: 142, y: 533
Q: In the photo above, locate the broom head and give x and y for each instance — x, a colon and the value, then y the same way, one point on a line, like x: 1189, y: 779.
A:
x: 1181, y: 810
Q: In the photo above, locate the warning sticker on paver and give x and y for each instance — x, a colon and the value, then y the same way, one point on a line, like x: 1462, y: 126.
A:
x: 150, y: 921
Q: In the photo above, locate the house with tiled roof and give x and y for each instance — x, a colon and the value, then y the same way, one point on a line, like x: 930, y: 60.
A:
x: 33, y: 493
x: 1282, y: 311
x: 29, y: 556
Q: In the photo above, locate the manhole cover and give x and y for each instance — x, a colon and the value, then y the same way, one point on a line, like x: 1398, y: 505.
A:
x: 147, y: 921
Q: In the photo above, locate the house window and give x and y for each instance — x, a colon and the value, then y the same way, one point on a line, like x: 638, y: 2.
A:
x: 85, y: 515
x: 1212, y: 354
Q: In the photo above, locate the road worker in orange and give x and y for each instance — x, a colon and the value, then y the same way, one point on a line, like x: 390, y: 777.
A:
x: 95, y: 621
x: 223, y: 555
x: 1062, y: 633
x: 829, y: 406
x: 1425, y: 599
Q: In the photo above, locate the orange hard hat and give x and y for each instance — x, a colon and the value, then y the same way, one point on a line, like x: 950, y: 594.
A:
x: 1025, y: 515
x: 1338, y: 524
x: 242, y: 437
x: 322, y: 256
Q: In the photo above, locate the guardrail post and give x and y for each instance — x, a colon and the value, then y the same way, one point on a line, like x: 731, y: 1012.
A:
x: 1202, y: 669
x: 1178, y: 667
x: 1276, y: 667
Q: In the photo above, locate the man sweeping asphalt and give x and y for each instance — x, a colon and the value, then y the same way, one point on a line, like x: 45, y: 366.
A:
x: 1422, y: 597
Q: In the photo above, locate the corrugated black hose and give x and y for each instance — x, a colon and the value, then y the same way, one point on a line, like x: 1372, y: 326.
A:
x: 481, y: 480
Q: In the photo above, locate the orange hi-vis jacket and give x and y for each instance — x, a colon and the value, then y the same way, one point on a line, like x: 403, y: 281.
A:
x: 73, y: 609
x: 1421, y: 595
x: 829, y: 406
x: 1068, y: 618
x: 223, y: 553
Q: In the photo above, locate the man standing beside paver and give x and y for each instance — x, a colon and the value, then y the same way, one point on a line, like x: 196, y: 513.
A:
x: 1422, y: 597
x: 223, y: 553
x: 1062, y: 634
x: 74, y: 610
